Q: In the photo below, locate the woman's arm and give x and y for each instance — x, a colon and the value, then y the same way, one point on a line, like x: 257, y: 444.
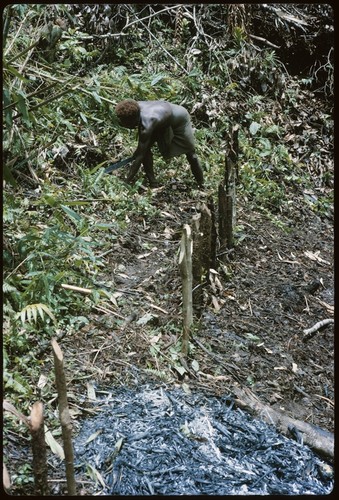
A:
x: 145, y: 143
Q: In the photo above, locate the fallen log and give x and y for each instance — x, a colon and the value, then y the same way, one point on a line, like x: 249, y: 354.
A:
x: 320, y: 440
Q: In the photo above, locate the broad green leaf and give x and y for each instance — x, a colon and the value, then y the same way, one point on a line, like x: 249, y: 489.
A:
x: 53, y: 444
x: 83, y: 117
x: 8, y: 177
x: 15, y: 73
x: 266, y: 143
x: 103, y: 226
x: 194, y: 72
x: 97, y: 97
x: 48, y: 311
x: 16, y: 384
x: 7, y: 112
x: 22, y: 105
x: 98, y: 166
x: 50, y: 200
x: 35, y: 313
x: 254, y: 127
x: 157, y: 79
x: 73, y: 215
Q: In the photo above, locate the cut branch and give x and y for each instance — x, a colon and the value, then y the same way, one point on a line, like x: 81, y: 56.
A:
x: 310, y: 332
x: 260, y: 39
x: 76, y: 288
x: 165, y: 50
x: 65, y: 417
x: 172, y: 7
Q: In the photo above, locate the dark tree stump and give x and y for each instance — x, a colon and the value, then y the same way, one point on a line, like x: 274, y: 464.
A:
x: 204, y: 251
x: 36, y: 426
x: 227, y: 194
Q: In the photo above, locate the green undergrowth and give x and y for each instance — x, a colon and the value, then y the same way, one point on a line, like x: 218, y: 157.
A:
x: 57, y: 237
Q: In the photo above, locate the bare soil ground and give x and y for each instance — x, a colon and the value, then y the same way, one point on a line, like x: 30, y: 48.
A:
x: 272, y: 285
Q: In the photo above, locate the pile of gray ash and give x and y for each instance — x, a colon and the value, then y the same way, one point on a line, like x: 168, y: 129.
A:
x: 161, y: 441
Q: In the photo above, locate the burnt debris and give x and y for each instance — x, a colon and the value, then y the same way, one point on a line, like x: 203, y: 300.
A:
x: 161, y: 441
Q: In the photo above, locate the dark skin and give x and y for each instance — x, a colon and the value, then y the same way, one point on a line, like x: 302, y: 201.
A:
x: 154, y: 116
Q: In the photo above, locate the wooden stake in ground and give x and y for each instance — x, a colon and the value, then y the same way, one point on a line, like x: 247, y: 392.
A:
x: 65, y: 417
x: 185, y: 265
x: 36, y: 425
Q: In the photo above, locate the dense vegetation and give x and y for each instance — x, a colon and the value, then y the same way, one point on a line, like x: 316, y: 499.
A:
x: 64, y: 69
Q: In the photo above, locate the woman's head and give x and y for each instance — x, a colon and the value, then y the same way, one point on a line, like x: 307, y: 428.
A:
x: 128, y: 113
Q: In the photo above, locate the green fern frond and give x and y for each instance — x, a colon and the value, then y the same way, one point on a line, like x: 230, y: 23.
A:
x: 6, y: 288
x: 31, y: 312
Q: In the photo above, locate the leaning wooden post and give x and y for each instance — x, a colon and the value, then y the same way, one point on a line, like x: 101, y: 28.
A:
x: 185, y: 265
x: 36, y: 426
x: 65, y: 417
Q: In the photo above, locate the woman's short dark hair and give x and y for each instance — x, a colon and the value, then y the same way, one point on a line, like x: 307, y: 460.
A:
x: 127, y: 111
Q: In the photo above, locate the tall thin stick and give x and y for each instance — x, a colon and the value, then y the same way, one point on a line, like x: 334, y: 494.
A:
x: 185, y: 265
x: 65, y: 417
